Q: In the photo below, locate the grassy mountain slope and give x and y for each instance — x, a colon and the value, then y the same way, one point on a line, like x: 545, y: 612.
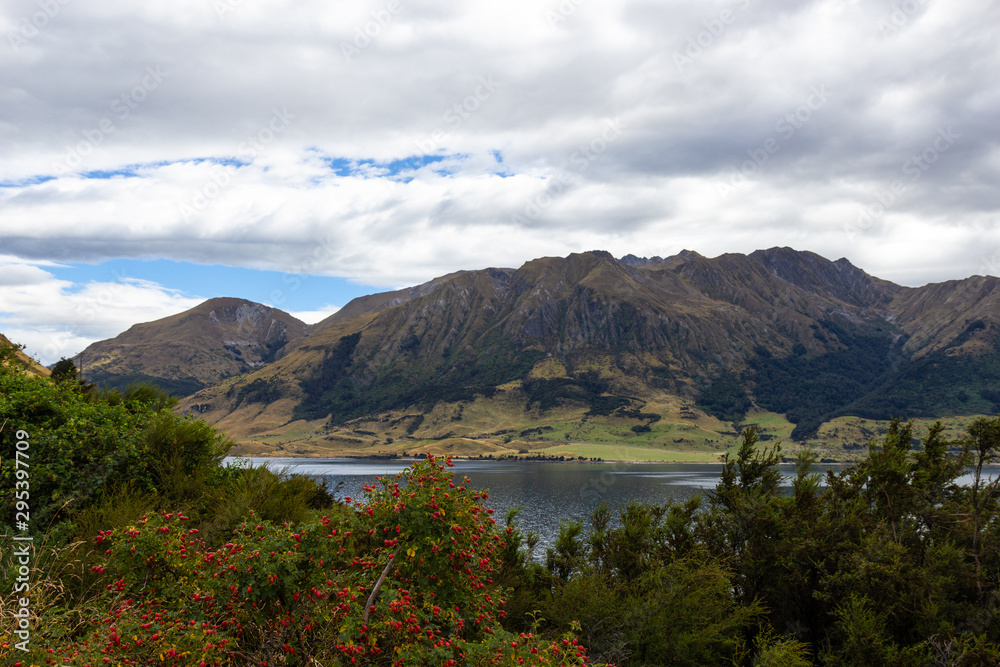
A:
x: 588, y: 339
x: 195, y: 349
x: 29, y: 364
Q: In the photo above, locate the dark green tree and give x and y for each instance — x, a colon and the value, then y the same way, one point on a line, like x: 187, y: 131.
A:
x: 981, y: 448
x: 65, y: 370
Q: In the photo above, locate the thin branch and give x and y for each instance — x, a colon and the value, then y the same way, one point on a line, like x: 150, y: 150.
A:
x: 378, y: 584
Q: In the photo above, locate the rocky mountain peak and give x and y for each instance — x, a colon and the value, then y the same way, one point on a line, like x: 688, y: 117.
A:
x: 840, y: 280
x: 632, y: 260
x: 216, y: 339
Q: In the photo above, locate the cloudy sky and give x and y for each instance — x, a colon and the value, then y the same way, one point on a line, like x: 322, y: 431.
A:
x: 300, y: 153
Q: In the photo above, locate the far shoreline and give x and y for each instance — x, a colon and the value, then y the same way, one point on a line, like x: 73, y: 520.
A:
x: 512, y: 459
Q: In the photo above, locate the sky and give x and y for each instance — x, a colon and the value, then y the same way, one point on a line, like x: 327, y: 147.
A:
x: 301, y: 153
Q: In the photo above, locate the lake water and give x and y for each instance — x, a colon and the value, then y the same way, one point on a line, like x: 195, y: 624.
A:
x: 545, y: 491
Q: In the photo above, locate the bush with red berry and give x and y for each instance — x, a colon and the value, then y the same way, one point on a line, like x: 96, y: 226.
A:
x: 402, y: 577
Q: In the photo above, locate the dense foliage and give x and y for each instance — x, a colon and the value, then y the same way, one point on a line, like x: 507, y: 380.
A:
x: 403, y: 578
x: 84, y: 444
x: 726, y: 398
x: 159, y: 555
x: 582, y: 387
x: 890, y: 562
x: 865, y: 375
x: 147, y: 551
x: 345, y: 387
x: 937, y: 384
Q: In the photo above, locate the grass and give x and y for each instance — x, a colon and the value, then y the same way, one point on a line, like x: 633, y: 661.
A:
x: 771, y: 423
x: 854, y: 433
x: 501, y: 425
x: 627, y: 453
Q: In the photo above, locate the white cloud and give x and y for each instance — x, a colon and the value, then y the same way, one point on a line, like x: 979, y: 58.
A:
x: 18, y: 273
x: 160, y: 89
x: 314, y: 316
x: 54, y: 318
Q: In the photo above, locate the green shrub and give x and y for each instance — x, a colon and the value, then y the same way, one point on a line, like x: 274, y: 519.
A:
x: 403, y: 578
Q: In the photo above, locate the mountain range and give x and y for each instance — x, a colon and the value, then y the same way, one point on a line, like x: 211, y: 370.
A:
x: 578, y: 349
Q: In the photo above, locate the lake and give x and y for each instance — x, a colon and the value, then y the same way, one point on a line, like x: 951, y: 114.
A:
x: 545, y: 491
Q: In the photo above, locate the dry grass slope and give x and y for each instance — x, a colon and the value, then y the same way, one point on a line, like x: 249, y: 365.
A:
x: 29, y: 364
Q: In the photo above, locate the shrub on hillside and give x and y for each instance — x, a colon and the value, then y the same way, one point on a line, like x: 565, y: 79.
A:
x: 403, y: 578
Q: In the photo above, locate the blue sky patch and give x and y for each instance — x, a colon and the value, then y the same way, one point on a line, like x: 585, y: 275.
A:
x: 287, y: 291
x: 125, y: 172
x: 25, y: 182
x: 369, y: 168
x: 132, y: 170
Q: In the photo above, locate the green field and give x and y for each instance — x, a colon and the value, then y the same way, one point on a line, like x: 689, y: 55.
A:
x: 627, y: 453
x: 502, y: 425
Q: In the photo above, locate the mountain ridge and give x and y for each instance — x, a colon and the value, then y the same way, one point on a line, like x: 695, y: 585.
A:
x: 780, y: 330
x: 726, y: 333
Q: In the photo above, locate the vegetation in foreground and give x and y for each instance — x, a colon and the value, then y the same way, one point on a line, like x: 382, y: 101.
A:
x: 147, y: 552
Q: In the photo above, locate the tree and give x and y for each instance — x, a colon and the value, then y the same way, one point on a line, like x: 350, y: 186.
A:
x: 65, y: 370
x: 981, y: 447
x: 745, y: 522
